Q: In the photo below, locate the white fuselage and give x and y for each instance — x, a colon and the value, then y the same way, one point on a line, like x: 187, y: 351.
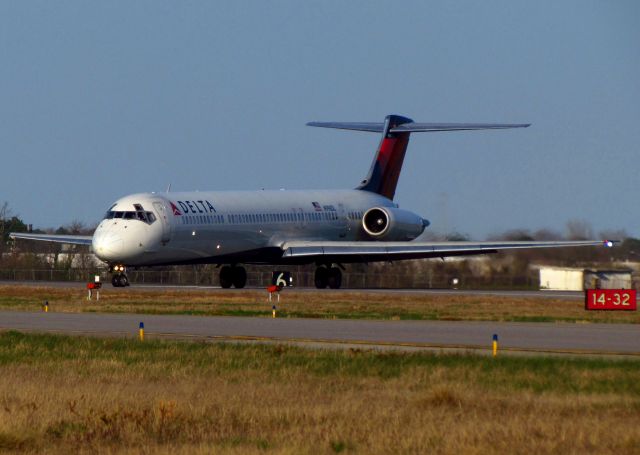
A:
x: 227, y: 226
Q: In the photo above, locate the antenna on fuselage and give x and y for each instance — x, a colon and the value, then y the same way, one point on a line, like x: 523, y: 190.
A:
x: 169, y: 188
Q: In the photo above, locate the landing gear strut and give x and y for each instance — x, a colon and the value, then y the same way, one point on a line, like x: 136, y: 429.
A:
x: 328, y: 276
x: 119, y: 278
x: 233, y: 276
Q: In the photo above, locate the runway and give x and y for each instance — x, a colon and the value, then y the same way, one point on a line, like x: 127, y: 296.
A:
x: 556, y: 338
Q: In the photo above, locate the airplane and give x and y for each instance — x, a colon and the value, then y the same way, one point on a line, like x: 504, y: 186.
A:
x: 327, y: 227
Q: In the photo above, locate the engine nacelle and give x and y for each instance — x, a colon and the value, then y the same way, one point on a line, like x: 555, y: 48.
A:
x: 388, y: 223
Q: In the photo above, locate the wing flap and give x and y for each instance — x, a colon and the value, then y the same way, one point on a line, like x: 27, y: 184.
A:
x: 68, y: 239
x: 415, y: 250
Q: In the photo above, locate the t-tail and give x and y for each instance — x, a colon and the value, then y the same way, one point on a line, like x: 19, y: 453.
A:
x: 385, y: 170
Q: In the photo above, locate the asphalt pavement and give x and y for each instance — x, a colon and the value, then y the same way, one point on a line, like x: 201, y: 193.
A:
x: 558, y: 338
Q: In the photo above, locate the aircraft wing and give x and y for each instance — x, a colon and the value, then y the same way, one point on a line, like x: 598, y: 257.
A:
x: 380, y: 251
x: 69, y: 239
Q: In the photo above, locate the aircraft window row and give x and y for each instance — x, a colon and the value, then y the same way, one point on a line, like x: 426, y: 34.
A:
x: 356, y: 215
x: 147, y: 217
x: 254, y: 218
x: 202, y: 219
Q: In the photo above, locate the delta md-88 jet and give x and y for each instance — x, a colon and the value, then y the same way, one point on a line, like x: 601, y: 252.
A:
x: 326, y: 227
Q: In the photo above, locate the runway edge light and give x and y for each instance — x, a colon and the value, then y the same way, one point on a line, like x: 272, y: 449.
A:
x: 141, y: 331
x: 495, y: 344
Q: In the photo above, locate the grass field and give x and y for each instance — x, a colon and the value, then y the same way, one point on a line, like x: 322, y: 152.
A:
x: 340, y: 305
x: 81, y: 395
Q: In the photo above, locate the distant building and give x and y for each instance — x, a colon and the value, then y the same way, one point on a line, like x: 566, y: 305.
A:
x: 576, y: 279
x: 608, y: 279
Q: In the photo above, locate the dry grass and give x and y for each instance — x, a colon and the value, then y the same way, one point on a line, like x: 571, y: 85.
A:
x: 364, y: 305
x: 80, y: 395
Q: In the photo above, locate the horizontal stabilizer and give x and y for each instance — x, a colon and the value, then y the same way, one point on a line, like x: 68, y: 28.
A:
x: 411, y: 127
x: 432, y: 127
x: 371, y: 127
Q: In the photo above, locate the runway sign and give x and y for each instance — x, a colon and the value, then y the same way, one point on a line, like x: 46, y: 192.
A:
x: 281, y: 279
x: 611, y: 299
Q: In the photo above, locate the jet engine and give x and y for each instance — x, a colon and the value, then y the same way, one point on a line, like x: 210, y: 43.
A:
x: 388, y: 223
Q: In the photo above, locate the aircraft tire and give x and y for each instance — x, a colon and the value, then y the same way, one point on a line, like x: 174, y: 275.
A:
x: 115, y: 282
x: 239, y: 277
x: 321, y: 277
x: 226, y: 277
x: 334, y: 279
x: 124, y: 281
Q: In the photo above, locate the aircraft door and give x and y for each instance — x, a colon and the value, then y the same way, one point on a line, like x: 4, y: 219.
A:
x: 164, y: 220
x: 301, y: 221
x: 342, y: 221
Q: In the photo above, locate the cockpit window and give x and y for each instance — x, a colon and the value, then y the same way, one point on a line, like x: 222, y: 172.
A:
x: 139, y: 214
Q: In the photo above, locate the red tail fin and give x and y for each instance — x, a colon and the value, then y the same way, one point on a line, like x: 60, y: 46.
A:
x: 387, y: 164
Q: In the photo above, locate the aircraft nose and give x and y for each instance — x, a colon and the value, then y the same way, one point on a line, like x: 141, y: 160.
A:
x: 108, y: 245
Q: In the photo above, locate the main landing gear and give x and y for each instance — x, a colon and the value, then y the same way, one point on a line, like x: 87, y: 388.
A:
x: 233, y: 276
x: 328, y: 276
x: 119, y: 278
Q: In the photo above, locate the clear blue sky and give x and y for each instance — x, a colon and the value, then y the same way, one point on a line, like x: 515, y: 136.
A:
x: 102, y: 99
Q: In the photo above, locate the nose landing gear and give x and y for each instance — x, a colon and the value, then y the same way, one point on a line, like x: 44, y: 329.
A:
x: 119, y: 278
x: 233, y: 276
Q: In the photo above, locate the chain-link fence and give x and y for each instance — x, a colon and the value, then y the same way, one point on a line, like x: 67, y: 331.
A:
x: 302, y: 277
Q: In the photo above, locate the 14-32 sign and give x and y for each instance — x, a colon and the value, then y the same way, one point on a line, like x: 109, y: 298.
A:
x: 611, y: 299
